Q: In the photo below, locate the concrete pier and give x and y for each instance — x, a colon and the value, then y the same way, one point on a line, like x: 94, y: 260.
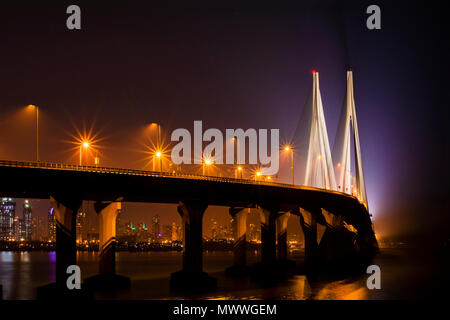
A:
x: 338, y: 243
x: 66, y: 209
x: 107, y: 277
x: 282, y: 246
x: 239, y: 226
x: 192, y: 277
x: 309, y: 226
x: 268, y: 217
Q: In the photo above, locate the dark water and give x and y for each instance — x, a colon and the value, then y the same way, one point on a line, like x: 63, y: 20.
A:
x: 405, y: 274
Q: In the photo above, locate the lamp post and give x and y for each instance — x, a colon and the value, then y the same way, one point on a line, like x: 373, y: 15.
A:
x: 159, y: 156
x: 96, y: 160
x: 239, y: 170
x: 36, y: 109
x: 84, y: 145
x: 289, y: 148
x: 158, y: 133
x: 37, y: 134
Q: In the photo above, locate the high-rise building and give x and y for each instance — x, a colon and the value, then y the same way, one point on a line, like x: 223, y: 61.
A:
x: 130, y: 229
x: 27, y: 224
x: 214, y: 229
x: 143, y: 234
x: 175, y: 235
x: 180, y: 232
x: 254, y: 233
x: 51, y: 225
x: 7, y: 214
x: 37, y: 225
x: 156, y: 232
x: 17, y: 225
x: 81, y: 226
x: 120, y: 226
x: 167, y: 232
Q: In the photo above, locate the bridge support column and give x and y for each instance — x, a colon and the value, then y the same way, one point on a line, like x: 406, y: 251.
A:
x: 284, y: 264
x: 338, y: 244
x: 240, y: 267
x: 66, y: 209
x: 282, y: 247
x: 268, y: 271
x: 107, y: 277
x: 268, y: 234
x: 309, y: 227
x: 192, y: 277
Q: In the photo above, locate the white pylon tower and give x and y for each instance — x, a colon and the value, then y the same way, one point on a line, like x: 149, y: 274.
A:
x: 319, y: 166
x: 342, y: 148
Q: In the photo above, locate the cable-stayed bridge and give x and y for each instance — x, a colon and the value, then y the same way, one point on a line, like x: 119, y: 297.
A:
x: 328, y: 196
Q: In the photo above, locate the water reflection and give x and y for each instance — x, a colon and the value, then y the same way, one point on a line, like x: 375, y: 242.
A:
x: 22, y: 272
x: 6, y: 256
x: 354, y: 289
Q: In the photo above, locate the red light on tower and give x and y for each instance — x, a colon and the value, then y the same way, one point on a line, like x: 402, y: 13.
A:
x: 313, y: 71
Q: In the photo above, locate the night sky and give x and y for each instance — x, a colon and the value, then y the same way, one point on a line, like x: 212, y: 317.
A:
x: 233, y: 65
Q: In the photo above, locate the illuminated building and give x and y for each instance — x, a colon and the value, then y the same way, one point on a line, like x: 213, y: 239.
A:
x: 37, y: 224
x: 17, y: 225
x: 130, y: 232
x: 142, y: 234
x: 254, y: 233
x: 156, y: 232
x: 167, y: 232
x: 51, y: 225
x: 120, y: 227
x: 81, y: 226
x: 176, y: 236
x: 214, y: 229
x: 7, y: 214
x: 27, y: 223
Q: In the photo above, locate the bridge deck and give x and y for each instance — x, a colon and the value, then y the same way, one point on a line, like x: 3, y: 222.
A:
x: 27, y: 179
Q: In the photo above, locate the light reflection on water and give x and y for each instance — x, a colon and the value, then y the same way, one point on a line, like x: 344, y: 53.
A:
x: 22, y: 272
x: 343, y: 290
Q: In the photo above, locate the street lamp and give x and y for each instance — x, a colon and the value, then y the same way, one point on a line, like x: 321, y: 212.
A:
x: 84, y: 145
x: 290, y: 149
x: 32, y: 106
x: 258, y: 173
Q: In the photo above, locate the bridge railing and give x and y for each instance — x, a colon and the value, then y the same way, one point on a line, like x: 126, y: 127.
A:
x: 124, y: 171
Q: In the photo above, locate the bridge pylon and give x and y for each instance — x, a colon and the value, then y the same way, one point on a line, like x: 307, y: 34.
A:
x: 319, y: 171
x: 342, y: 148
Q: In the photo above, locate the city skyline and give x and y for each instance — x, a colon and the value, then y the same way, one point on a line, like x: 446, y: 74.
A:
x: 222, y: 223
